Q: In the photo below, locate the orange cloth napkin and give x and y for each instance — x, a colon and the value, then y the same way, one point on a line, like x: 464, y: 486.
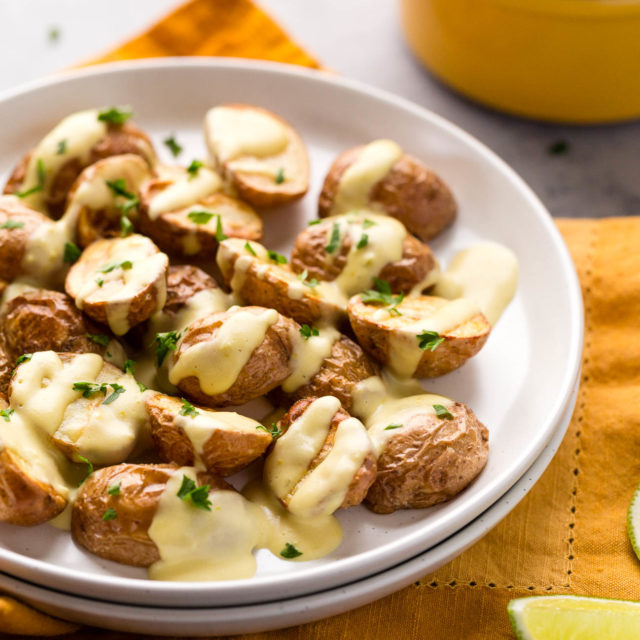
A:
x: 568, y: 535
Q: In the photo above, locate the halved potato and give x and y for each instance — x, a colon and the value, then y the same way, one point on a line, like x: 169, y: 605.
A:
x: 351, y: 250
x: 258, y: 152
x: 231, y: 357
x: 265, y: 281
x: 223, y: 442
x: 119, y: 281
x: 324, y: 460
x: 422, y: 336
x: 381, y: 177
x: 48, y: 172
x: 186, y: 218
x: 430, y: 448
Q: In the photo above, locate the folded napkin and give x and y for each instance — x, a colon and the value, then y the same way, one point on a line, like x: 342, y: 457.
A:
x: 568, y: 535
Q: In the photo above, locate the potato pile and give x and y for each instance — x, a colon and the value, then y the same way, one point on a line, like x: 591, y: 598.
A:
x: 140, y: 310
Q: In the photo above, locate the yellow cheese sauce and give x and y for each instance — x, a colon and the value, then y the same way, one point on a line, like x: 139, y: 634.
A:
x: 217, y: 362
x: 371, y: 166
x: 232, y: 132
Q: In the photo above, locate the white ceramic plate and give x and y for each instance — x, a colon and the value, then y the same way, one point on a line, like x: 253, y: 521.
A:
x: 289, y: 612
x: 519, y: 385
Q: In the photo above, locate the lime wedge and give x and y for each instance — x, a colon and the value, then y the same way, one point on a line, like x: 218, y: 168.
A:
x: 633, y: 521
x: 574, y: 618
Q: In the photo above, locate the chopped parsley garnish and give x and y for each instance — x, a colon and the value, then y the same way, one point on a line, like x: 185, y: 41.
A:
x: 193, y: 168
x: 114, y: 489
x: 124, y: 265
x: 6, y: 414
x: 117, y: 390
x: 363, y: 242
x: 392, y: 426
x: 199, y: 496
x: 89, y: 466
x: 141, y: 387
x: 129, y: 367
x: 443, y: 412
x: 275, y: 432
x: 11, y: 224
x: 89, y: 389
x: 115, y: 115
x: 200, y: 217
x: 306, y: 331
x: 276, y: 257
x: 25, y: 357
x: 366, y: 223
x: 220, y: 234
x: 165, y: 342
x: 71, y: 252
x: 429, y: 340
x: 99, y: 338
x: 279, y: 179
x: 308, y: 282
x: 54, y: 34
x: 334, y: 240
x: 249, y: 248
x: 381, y: 294
x: 559, y: 147
x: 99, y: 281
x: 61, y: 148
x: 290, y: 551
x: 126, y: 227
x: 119, y: 188
x: 188, y: 409
x: 316, y: 221
x: 109, y: 514
x: 172, y: 144
x: 42, y: 178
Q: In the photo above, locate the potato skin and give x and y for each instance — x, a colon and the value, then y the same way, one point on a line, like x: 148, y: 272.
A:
x: 183, y: 282
x: 226, y: 452
x: 429, y: 460
x: 309, y: 253
x: 124, y: 539
x: 346, y: 366
x: 120, y: 139
x: 460, y: 344
x: 410, y: 192
x: 364, y: 476
x: 13, y: 242
x: 266, y: 368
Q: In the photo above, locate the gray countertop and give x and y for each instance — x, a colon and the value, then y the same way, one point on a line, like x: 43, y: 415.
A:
x: 598, y: 176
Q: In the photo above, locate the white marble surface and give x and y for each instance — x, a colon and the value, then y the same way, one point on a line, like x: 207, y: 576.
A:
x: 599, y: 176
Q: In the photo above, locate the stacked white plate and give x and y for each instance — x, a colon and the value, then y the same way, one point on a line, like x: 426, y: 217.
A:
x: 521, y: 385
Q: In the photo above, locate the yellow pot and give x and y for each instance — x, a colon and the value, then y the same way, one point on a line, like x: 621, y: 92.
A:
x: 575, y: 61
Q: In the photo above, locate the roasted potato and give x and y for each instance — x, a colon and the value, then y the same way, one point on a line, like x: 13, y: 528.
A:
x: 185, y: 434
x: 49, y: 171
x: 87, y: 407
x: 104, y: 197
x: 339, y: 372
x: 324, y: 460
x: 259, y: 279
x: 119, y: 281
x: 423, y: 336
x: 124, y: 538
x: 430, y: 448
x: 353, y: 249
x: 259, y: 153
x: 192, y: 223
x: 383, y: 178
x: 231, y: 357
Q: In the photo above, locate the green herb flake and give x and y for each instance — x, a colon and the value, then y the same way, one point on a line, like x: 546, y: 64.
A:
x: 172, y: 144
x: 200, y: 217
x: 220, y: 234
x: 276, y: 257
x: 290, y: 551
x: 430, y: 340
x: 61, y: 148
x: 117, y: 391
x: 115, y: 115
x: 249, y: 248
x: 366, y: 223
x: 392, y: 426
x: 381, y: 294
x: 314, y: 222
x: 89, y: 389
x: 42, y: 179
x: 193, y: 168
x: 6, y: 414
x: 275, y: 431
x: 99, y: 281
x: 558, y: 148
x: 188, y: 409
x: 114, y: 489
x: 99, y: 338
x: 89, y: 466
x: 71, y: 252
x: 312, y: 283
x: 119, y: 188
x: 198, y: 496
x: 279, y: 179
x: 25, y: 357
x: 126, y: 227
x: 363, y: 242
x: 306, y: 331
x: 53, y: 34
x: 141, y: 387
x: 109, y: 514
x: 442, y: 412
x: 130, y: 367
x: 334, y: 240
x: 124, y: 265
x: 165, y: 342
x: 11, y: 224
